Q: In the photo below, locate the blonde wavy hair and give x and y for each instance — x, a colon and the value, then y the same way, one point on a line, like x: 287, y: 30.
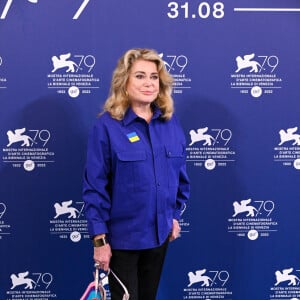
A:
x: 117, y: 103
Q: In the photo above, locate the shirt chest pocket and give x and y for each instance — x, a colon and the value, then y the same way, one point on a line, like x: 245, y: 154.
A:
x: 175, y: 157
x: 175, y: 152
x: 131, y: 168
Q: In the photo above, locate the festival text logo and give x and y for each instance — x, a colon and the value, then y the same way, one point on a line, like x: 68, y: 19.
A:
x: 73, y: 74
x: 68, y: 221
x: 256, y: 75
x: 210, y: 148
x: 207, y: 284
x: 252, y: 219
x: 28, y: 148
x: 287, y: 152
x: 286, y: 285
x: 31, y: 285
x: 176, y: 66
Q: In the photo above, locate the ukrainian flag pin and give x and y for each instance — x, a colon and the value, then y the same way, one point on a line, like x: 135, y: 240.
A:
x: 133, y: 137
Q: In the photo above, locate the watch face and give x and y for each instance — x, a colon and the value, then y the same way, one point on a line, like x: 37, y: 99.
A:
x: 99, y: 242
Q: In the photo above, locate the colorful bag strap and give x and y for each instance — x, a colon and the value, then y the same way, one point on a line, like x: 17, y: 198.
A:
x: 99, y: 287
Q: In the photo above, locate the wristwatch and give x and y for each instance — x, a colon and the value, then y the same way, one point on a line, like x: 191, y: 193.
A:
x: 100, y: 242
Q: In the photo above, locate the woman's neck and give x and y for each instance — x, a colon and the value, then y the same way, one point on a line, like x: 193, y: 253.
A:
x: 144, y: 111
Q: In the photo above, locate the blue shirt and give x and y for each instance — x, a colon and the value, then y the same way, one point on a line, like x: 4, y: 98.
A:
x: 135, y: 180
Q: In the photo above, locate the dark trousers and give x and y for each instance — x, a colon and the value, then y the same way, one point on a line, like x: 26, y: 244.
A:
x: 139, y: 270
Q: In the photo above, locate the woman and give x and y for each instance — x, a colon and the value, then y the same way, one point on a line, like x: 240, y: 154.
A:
x: 135, y: 182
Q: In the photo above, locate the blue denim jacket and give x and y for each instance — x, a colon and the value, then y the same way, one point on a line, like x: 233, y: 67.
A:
x: 135, y: 180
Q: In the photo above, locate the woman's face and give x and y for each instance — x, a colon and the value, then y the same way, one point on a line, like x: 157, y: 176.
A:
x: 143, y: 82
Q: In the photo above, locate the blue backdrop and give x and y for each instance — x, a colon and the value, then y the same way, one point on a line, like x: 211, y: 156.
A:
x: 236, y: 67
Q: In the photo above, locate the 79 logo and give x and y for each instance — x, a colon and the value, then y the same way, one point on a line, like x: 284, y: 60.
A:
x: 174, y: 63
x: 256, y: 65
x: 68, y: 64
x: 31, y: 281
x: 243, y: 207
x: 9, y: 3
x: 208, y: 278
x: 19, y: 136
x: 222, y: 136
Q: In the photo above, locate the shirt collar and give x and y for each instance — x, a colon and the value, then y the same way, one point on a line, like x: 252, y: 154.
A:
x: 130, y: 115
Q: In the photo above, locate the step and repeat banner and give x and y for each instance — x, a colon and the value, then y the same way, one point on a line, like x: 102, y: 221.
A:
x: 236, y: 67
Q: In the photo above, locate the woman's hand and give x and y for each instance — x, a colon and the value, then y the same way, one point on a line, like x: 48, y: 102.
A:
x: 175, y: 231
x: 102, y: 256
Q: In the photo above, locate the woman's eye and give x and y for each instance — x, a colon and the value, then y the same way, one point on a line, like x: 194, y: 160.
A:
x: 142, y: 76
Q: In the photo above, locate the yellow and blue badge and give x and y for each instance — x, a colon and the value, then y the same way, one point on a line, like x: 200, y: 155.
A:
x: 133, y: 137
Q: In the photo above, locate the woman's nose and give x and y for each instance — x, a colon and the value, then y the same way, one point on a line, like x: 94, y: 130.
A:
x: 148, y: 81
